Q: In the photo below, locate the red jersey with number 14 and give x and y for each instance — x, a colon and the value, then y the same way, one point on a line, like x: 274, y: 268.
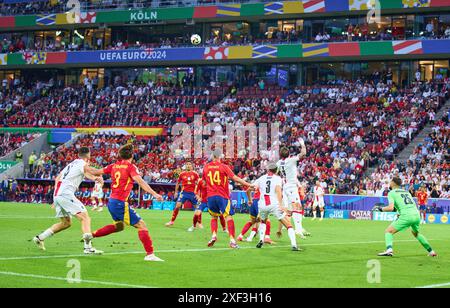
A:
x: 188, y: 180
x: 217, y: 175
x: 122, y: 173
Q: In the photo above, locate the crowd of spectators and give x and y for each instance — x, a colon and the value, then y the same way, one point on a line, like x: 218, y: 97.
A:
x: 428, y: 166
x: 134, y: 104
x: 348, y: 127
x: 12, y: 141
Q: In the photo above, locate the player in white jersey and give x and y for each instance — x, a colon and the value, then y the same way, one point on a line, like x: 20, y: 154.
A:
x: 97, y: 197
x: 318, y: 201
x: 271, y: 203
x: 288, y: 170
x: 67, y: 205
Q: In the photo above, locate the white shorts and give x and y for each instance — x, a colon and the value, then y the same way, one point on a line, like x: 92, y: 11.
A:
x: 67, y: 206
x: 98, y: 196
x: 319, y: 203
x: 266, y: 211
x: 290, y: 196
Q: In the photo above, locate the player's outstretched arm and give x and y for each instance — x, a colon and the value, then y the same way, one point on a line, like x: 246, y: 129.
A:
x: 303, y: 148
x: 138, y: 179
x: 93, y: 171
x: 241, y: 181
x: 98, y: 179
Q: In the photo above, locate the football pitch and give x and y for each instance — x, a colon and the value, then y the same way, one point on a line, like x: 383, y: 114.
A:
x: 340, y: 253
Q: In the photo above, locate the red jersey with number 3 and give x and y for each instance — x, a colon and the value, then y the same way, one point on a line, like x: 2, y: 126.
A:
x: 122, y: 173
x: 217, y: 176
x: 188, y: 180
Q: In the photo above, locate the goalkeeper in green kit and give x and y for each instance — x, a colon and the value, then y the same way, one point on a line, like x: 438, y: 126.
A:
x: 401, y: 201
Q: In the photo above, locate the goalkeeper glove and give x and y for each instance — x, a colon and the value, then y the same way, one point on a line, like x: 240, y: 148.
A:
x: 378, y: 208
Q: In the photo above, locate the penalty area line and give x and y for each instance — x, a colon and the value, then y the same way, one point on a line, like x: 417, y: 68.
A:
x: 197, y: 250
x: 75, y: 282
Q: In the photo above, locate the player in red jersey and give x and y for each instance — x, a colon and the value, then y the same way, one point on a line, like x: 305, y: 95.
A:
x: 188, y: 180
x: 254, y: 219
x: 123, y: 174
x: 422, y: 198
x: 216, y: 176
x: 202, y: 195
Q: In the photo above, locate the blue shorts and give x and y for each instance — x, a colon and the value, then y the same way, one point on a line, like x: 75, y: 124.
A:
x: 187, y: 196
x: 202, y: 207
x: 121, y: 211
x: 220, y: 206
x: 422, y: 208
x: 254, y: 209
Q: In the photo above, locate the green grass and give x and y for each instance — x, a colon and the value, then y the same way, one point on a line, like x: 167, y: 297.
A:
x: 335, y: 256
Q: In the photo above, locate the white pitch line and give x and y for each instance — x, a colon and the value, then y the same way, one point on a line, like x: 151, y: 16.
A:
x: 106, y: 283
x: 198, y: 250
x: 431, y: 286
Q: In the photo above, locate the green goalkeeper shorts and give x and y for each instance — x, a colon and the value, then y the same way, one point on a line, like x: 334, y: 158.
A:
x: 407, y: 221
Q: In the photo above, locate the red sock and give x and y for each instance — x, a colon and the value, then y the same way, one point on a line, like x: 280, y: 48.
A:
x: 106, y: 230
x: 222, y: 222
x: 246, y: 227
x: 214, y: 225
x: 231, y: 228
x: 195, y: 220
x: 268, y: 228
x: 146, y: 241
x: 255, y: 229
x: 199, y: 219
x: 175, y: 214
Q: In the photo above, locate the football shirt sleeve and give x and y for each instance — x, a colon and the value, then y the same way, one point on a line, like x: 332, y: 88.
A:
x: 133, y: 171
x: 107, y: 169
x: 227, y: 171
x: 391, y: 198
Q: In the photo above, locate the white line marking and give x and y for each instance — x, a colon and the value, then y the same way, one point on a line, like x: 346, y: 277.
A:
x: 200, y: 250
x: 435, y: 286
x: 106, y: 283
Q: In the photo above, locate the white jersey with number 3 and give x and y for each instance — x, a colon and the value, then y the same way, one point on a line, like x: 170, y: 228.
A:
x: 267, y: 186
x: 71, y: 178
x: 268, y: 203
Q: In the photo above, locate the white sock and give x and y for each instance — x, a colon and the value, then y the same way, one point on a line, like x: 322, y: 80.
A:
x: 322, y: 213
x: 314, y: 212
x: 87, y: 240
x: 297, y: 217
x: 252, y: 235
x: 262, y: 231
x: 46, y: 234
x: 291, y: 234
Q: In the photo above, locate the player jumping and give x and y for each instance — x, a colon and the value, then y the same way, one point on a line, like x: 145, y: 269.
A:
x: 401, y: 201
x: 288, y: 170
x: 216, y: 175
x: 123, y: 174
x: 67, y: 205
x: 188, y: 180
x: 271, y: 203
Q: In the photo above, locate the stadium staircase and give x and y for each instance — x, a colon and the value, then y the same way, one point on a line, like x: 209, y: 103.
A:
x: 40, y: 144
x: 420, y: 138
